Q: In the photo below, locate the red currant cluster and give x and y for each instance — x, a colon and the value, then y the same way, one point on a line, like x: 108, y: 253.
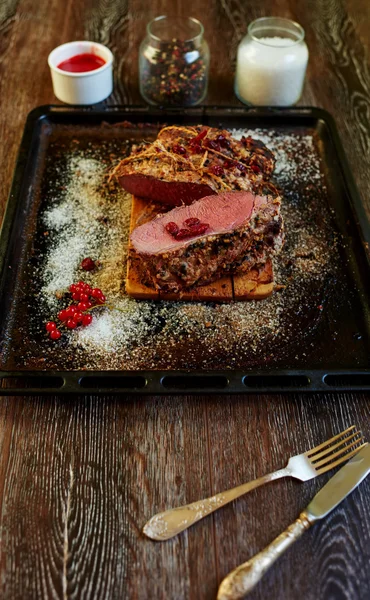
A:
x: 193, y: 227
x: 75, y: 314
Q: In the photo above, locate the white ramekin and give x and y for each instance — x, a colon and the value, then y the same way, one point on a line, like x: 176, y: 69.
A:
x: 81, y: 88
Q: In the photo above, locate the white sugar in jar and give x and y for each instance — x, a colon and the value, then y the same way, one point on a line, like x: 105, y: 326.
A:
x: 271, y: 63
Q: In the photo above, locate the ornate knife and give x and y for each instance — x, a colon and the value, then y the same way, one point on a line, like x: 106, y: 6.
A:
x: 243, y: 579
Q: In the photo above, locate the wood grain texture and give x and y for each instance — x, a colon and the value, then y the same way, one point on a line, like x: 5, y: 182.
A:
x: 262, y: 429
x: 82, y: 476
x: 79, y: 477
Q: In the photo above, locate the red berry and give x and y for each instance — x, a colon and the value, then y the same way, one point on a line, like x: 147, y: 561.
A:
x: 62, y: 315
x: 172, y: 228
x: 71, y: 324
x: 101, y: 299
x: 77, y: 317
x: 73, y: 288
x: 55, y: 334
x: 200, y: 229
x: 76, y: 295
x: 84, y: 297
x: 86, y: 320
x: 255, y: 169
x: 179, y: 149
x: 96, y: 292
x: 191, y: 222
x: 82, y: 306
x: 212, y: 145
x: 70, y: 311
x: 87, y: 289
x: 224, y: 142
x: 182, y: 234
x: 217, y: 170
x: 88, y: 264
x: 50, y: 326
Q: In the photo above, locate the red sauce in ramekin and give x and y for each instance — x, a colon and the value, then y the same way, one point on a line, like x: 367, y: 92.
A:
x: 81, y: 63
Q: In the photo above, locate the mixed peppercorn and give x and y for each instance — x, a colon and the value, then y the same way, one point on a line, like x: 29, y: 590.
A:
x: 174, y: 75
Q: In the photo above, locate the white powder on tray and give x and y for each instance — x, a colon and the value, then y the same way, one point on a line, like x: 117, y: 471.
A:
x: 77, y: 221
x: 87, y: 220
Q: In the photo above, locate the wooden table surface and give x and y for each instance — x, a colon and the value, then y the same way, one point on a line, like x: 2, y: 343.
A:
x: 80, y: 476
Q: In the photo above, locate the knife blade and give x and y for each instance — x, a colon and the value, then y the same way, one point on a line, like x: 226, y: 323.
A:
x: 340, y: 485
x: 242, y: 580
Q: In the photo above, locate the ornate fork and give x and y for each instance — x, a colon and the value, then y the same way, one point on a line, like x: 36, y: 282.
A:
x: 308, y: 465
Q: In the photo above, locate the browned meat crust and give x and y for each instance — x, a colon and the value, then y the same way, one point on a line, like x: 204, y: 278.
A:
x: 186, y: 163
x: 197, y: 262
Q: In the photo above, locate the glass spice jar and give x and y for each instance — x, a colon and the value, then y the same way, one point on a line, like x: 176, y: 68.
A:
x: 271, y: 63
x: 174, y: 62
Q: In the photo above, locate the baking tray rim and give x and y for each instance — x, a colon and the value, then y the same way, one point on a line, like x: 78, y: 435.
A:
x: 237, y: 382
x: 184, y: 382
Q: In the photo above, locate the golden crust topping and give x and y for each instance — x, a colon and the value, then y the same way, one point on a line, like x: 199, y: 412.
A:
x: 203, y: 155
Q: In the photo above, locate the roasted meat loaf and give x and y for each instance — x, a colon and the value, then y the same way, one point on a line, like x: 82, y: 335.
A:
x: 215, y: 236
x: 187, y: 163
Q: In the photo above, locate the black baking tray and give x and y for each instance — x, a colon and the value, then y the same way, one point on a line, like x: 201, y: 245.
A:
x: 350, y: 371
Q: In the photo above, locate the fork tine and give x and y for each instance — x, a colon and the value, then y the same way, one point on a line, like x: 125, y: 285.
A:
x: 328, y: 442
x: 330, y: 449
x: 340, y: 460
x: 339, y: 452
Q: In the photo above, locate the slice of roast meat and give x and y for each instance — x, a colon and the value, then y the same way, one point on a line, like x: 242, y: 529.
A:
x: 215, y: 236
x: 186, y: 163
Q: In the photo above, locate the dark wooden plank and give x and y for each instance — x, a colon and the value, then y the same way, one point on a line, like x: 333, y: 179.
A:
x: 330, y: 560
x: 339, y: 75
x: 80, y: 478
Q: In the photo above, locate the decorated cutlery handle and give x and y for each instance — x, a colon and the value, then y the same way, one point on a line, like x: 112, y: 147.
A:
x: 242, y: 580
x: 166, y: 525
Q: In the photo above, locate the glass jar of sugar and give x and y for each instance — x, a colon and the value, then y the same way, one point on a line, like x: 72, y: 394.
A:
x: 271, y: 63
